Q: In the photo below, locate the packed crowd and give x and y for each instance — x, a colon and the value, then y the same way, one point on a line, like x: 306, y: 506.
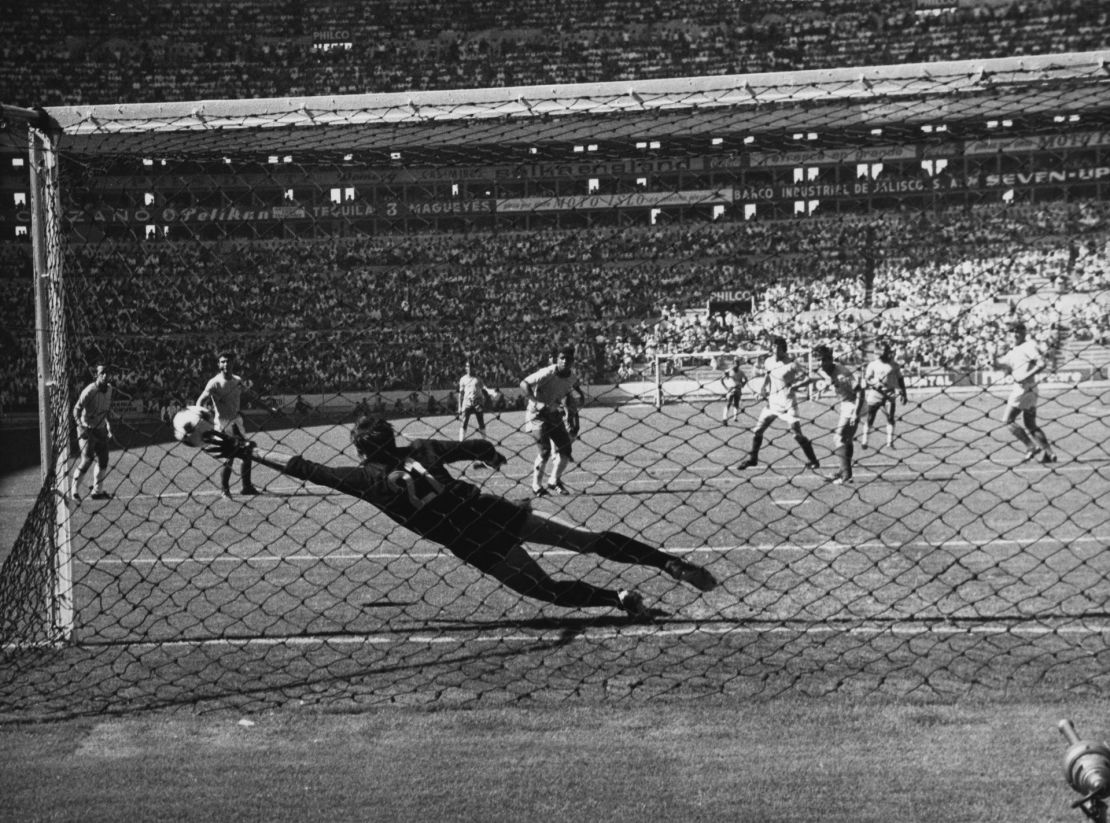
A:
x: 381, y: 314
x: 63, y: 53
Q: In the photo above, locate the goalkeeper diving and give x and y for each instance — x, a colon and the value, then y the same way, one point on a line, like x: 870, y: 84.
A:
x: 411, y: 485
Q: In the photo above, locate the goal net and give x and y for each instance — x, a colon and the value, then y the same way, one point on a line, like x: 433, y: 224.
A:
x: 350, y: 255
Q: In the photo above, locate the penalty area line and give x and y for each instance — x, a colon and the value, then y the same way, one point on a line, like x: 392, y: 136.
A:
x: 724, y: 551
x: 641, y: 631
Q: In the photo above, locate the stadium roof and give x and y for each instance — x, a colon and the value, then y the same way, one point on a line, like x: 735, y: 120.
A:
x: 651, y: 109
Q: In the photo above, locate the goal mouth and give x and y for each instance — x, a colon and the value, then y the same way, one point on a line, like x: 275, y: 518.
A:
x: 350, y: 252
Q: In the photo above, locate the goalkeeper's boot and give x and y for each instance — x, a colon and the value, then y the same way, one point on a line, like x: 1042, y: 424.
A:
x: 633, y: 604
x: 100, y: 494
x: 249, y: 490
x: 696, y: 576
x: 1032, y: 453
x: 539, y: 491
x: 558, y: 488
x: 747, y: 464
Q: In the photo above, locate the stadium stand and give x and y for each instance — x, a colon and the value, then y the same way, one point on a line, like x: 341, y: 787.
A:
x: 61, y: 53
x: 645, y: 282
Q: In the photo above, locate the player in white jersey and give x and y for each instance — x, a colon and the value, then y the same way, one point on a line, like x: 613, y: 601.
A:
x: 546, y: 391
x: 780, y: 382
x: 473, y: 396
x: 224, y: 393
x: 882, y: 382
x: 1024, y: 362
x: 734, y: 381
x: 91, y: 412
x: 844, y: 384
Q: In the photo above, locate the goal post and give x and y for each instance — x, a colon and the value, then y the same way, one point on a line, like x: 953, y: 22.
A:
x: 38, y: 609
x: 697, y: 376
x: 694, y: 376
x: 54, y: 379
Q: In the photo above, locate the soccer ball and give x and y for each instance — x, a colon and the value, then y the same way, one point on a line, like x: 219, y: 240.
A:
x: 191, y: 424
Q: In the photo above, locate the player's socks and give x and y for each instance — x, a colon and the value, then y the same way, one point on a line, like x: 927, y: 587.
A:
x: 807, y: 449
x: 753, y: 456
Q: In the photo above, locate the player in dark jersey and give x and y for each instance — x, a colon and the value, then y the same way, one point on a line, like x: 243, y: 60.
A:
x: 411, y: 485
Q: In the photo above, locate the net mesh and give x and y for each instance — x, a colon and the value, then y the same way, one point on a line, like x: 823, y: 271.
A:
x: 352, y: 253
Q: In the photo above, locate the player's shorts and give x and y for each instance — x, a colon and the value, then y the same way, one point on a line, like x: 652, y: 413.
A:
x: 784, y: 410
x: 551, y: 429
x: 1023, y: 397
x: 878, y: 402
x: 94, y: 444
x: 732, y: 399
x: 878, y: 399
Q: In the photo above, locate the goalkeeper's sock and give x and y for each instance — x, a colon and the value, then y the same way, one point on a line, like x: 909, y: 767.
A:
x: 624, y: 549
x: 557, y: 469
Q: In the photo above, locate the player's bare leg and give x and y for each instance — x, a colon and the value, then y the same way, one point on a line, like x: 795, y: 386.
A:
x: 1029, y: 418
x: 78, y: 473
x: 539, y: 465
x: 1018, y: 431
x: 559, y: 465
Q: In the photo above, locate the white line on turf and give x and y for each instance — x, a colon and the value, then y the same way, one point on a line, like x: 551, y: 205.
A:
x: 825, y: 546
x: 640, y: 630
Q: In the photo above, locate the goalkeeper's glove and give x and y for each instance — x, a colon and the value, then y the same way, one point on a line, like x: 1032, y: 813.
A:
x: 226, y: 446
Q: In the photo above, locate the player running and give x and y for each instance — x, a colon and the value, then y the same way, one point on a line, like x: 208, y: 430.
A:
x: 882, y: 382
x: 411, y: 485
x: 1024, y: 362
x: 780, y: 382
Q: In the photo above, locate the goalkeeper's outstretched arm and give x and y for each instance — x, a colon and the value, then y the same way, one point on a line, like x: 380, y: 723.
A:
x: 226, y: 446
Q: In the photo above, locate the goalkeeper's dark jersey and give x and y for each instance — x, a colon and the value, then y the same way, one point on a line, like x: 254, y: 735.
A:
x: 453, y: 513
